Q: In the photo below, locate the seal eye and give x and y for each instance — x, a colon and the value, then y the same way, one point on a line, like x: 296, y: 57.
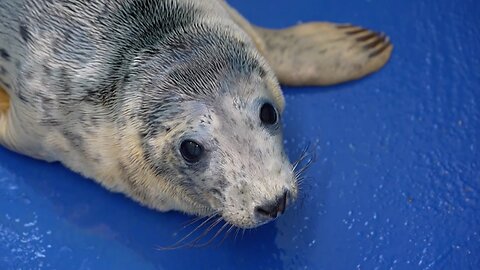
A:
x: 268, y: 114
x: 191, y: 151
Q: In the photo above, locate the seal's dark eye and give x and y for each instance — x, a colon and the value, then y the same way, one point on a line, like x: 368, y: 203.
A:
x: 191, y: 151
x: 268, y: 114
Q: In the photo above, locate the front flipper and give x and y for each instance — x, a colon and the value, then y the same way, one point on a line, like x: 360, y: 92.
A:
x: 4, y: 101
x: 323, y: 53
x: 4, y: 120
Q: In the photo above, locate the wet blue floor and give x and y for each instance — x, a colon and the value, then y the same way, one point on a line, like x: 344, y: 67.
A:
x: 396, y: 184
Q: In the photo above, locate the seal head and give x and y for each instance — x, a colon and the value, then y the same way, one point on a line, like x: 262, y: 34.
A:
x: 211, y: 133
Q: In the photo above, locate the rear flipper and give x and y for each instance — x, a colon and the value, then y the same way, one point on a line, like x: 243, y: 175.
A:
x: 318, y: 53
x: 324, y: 53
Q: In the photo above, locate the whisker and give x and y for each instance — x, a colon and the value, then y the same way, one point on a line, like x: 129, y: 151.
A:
x: 236, y: 233
x: 177, y: 244
x: 227, y: 234
x: 195, y: 241
x: 307, y: 157
x: 191, y: 222
x: 214, y: 237
x: 196, y: 229
x: 307, y: 165
x: 303, y: 155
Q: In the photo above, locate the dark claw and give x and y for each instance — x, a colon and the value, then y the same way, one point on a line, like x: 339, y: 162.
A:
x: 366, y: 37
x: 381, y: 39
x: 380, y: 50
x: 356, y: 31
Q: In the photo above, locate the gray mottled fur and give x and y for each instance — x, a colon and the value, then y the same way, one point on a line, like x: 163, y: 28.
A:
x: 111, y: 87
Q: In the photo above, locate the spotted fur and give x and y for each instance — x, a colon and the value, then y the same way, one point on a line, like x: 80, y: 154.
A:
x: 111, y: 88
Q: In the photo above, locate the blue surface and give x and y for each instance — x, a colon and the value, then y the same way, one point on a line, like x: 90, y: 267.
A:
x: 396, y: 184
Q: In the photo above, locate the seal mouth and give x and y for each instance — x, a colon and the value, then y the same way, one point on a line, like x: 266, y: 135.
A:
x: 215, y: 228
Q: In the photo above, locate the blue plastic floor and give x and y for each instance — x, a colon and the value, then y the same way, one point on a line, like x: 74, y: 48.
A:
x: 396, y: 184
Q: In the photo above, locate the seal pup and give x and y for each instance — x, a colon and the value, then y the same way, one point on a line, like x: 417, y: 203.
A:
x: 175, y: 103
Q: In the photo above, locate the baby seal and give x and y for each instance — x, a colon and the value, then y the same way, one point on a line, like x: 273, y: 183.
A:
x: 175, y: 103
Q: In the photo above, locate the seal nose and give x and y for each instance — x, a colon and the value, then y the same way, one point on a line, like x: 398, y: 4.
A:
x: 273, y: 209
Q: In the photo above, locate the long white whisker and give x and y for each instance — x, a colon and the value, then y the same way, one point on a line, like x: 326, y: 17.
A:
x: 215, y: 236
x: 195, y: 241
x: 227, y: 233
x: 178, y: 244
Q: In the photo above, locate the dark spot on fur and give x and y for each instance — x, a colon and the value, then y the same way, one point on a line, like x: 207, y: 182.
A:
x: 262, y: 72
x: 24, y: 33
x: 216, y: 192
x: 55, y: 49
x: 47, y: 118
x: 67, y: 35
x: 50, y: 122
x: 3, y: 71
x: 22, y: 97
x: 47, y: 70
x: 28, y: 74
x: 75, y: 139
x: 222, y: 184
x: 65, y: 84
x: 4, y: 54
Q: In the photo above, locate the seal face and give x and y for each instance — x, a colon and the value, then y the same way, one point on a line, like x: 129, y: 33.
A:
x: 170, y: 102
x: 210, y: 127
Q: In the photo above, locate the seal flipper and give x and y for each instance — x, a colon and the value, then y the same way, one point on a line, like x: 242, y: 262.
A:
x: 4, y: 107
x: 323, y: 53
x: 319, y: 53
x: 4, y: 102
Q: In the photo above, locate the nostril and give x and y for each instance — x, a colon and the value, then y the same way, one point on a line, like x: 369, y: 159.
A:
x: 283, y: 202
x: 273, y: 209
x: 267, y: 211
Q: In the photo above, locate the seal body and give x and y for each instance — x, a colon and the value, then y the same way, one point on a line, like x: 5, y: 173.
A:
x: 167, y: 101
x: 111, y: 88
